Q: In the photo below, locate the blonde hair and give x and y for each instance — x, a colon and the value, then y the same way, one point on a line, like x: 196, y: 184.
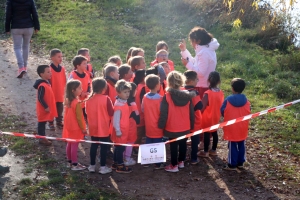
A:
x: 175, y: 80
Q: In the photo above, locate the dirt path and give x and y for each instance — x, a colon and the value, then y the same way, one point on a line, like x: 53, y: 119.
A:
x: 204, y: 181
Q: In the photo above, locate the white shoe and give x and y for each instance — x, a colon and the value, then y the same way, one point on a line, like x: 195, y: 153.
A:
x: 129, y: 162
x: 91, y: 168
x: 78, y: 167
x: 181, y: 164
x: 105, y: 170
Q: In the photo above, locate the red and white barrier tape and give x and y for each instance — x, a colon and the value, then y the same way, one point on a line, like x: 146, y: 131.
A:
x: 214, y: 127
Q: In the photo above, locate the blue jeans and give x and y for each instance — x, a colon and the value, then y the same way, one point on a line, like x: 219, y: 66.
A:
x: 236, y: 153
x: 154, y: 140
x: 21, y: 38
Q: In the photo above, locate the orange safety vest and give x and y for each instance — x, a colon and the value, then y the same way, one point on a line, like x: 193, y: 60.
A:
x: 239, y: 131
x: 198, y: 114
x: 139, y: 103
x: 58, y: 83
x: 84, y: 83
x: 132, y: 136
x: 211, y: 114
x: 112, y: 93
x: 42, y: 115
x: 124, y: 125
x: 98, y: 118
x: 71, y: 127
x: 170, y: 62
x: 151, y: 113
x: 178, y: 116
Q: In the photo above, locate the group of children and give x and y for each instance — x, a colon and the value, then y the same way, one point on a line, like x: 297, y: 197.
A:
x: 130, y: 103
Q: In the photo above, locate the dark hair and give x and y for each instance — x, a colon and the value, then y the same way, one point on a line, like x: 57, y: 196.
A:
x: 213, y: 79
x: 41, y: 69
x: 139, y: 76
x: 53, y: 52
x: 152, y: 70
x: 82, y: 51
x: 98, y: 85
x: 77, y: 60
x: 190, y: 75
x: 152, y: 81
x: 132, y: 91
x: 114, y: 59
x: 129, y: 53
x: 135, y: 61
x: 160, y: 45
x: 123, y: 69
x: 122, y: 85
x: 136, y: 51
x: 110, y: 68
x: 200, y: 36
x: 238, y: 85
x: 70, y: 87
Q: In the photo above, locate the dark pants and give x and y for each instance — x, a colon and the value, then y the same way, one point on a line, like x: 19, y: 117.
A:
x: 59, y: 109
x: 103, y: 150
x: 118, y: 154
x: 207, y: 140
x: 174, y: 151
x: 237, y: 153
x: 41, y: 128
x: 195, y: 142
x: 154, y: 140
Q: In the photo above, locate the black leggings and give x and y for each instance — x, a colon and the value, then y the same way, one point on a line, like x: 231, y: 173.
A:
x: 207, y: 140
x: 118, y: 154
x: 41, y: 128
x: 174, y: 151
x: 103, y: 150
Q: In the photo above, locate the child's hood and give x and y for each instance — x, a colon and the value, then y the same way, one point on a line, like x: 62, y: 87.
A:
x: 214, y: 44
x: 181, y: 97
x: 237, y: 100
x: 38, y: 82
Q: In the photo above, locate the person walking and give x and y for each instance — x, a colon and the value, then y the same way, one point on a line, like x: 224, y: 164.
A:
x: 21, y: 20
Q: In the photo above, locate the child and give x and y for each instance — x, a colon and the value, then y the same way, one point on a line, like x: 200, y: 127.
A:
x: 45, y: 104
x: 162, y: 45
x: 120, y: 125
x: 162, y: 56
x: 79, y: 63
x: 191, y: 80
x: 136, y: 63
x: 116, y: 60
x: 155, y: 71
x: 58, y: 82
x: 125, y: 72
x: 176, y: 118
x: 137, y: 52
x: 111, y: 76
x: 166, y: 67
x: 74, y: 125
x: 235, y: 106
x: 129, y: 54
x: 133, y: 121
x: 212, y: 102
x: 151, y: 110
x: 140, y: 92
x: 99, y: 110
x: 89, y: 68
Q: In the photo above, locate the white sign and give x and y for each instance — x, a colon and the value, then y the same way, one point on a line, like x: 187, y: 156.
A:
x: 152, y: 153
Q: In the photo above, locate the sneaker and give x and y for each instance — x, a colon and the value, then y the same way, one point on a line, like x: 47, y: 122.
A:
x: 114, y: 166
x: 240, y: 166
x: 105, y: 170
x: 51, y: 126
x: 171, y: 168
x: 45, y: 142
x: 181, y: 164
x: 123, y: 169
x: 4, y: 169
x: 213, y: 152
x: 78, y: 167
x: 194, y: 162
x: 3, y: 151
x: 129, y: 162
x: 159, y: 166
x: 91, y: 168
x: 21, y: 72
x: 229, y: 168
x: 203, y: 154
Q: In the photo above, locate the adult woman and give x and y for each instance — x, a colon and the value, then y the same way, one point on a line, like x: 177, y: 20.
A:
x: 205, y: 60
x: 21, y: 20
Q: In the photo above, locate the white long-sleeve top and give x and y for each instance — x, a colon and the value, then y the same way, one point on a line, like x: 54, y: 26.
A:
x: 205, y: 61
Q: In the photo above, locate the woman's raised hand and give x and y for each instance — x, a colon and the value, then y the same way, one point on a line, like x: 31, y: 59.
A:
x: 182, y: 45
